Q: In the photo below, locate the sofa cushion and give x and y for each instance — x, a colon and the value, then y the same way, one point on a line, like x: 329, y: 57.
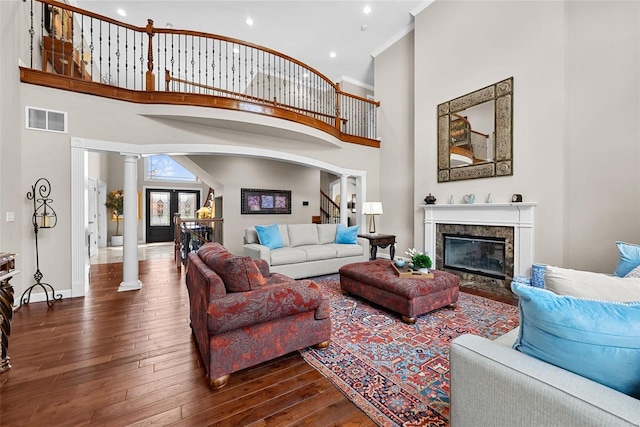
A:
x: 347, y: 235
x: 318, y: 252
x: 586, y: 284
x: 629, y: 258
x: 326, y: 233
x: 633, y: 274
x: 343, y: 251
x: 269, y: 236
x: 599, y: 340
x: 303, y: 234
x: 239, y: 274
x: 284, y: 256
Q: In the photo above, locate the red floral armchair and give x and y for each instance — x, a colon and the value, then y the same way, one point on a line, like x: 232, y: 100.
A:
x: 242, y: 315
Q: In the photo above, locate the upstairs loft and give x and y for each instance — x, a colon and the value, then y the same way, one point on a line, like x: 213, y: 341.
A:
x: 80, y: 51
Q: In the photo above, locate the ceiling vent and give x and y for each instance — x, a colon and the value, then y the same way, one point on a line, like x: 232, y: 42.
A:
x: 48, y: 120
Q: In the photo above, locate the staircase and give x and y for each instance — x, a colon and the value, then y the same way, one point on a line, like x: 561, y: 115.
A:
x: 329, y: 210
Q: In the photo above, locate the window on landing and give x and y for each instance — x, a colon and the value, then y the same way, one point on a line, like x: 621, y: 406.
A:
x: 164, y: 168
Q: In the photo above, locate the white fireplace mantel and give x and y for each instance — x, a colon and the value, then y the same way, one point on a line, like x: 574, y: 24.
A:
x: 517, y: 215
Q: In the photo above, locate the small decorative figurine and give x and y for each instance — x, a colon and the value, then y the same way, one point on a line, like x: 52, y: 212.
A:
x: 489, y: 199
x: 516, y: 198
x: 451, y: 200
x: 469, y: 198
x: 430, y: 200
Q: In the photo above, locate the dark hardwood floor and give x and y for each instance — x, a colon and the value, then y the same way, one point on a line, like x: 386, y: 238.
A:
x: 128, y: 358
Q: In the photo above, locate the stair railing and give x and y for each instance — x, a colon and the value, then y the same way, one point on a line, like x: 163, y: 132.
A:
x: 230, y: 73
x: 329, y: 210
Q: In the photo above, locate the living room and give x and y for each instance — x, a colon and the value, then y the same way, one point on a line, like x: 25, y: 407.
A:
x: 575, y: 69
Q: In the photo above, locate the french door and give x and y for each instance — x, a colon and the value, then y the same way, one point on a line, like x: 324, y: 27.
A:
x: 161, y: 205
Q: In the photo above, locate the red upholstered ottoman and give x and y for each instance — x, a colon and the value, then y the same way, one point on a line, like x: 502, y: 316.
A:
x: 376, y: 281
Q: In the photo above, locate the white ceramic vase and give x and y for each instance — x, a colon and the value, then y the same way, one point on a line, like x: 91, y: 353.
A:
x: 117, y: 240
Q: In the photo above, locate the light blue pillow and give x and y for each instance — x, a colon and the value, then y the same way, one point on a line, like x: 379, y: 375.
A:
x: 598, y: 340
x: 347, y: 235
x: 269, y: 236
x: 629, y: 258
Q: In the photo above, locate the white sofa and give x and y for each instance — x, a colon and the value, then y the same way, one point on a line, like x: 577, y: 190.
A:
x: 309, y: 250
x: 495, y: 385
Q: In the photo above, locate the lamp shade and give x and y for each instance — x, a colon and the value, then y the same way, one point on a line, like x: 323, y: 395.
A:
x: 372, y: 208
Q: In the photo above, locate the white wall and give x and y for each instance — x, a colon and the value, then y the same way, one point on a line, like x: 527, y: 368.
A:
x: 576, y: 128
x: 602, y: 170
x: 241, y: 172
x: 394, y: 89
x: 111, y: 120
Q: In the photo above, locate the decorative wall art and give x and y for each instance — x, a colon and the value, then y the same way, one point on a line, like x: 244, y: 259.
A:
x: 475, y: 134
x: 256, y: 201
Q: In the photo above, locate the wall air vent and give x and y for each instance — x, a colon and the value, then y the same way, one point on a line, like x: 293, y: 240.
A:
x: 48, y: 120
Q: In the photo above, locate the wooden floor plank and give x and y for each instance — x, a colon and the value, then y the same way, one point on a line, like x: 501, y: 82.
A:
x: 128, y: 358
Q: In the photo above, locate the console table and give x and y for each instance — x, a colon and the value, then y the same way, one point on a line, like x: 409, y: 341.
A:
x: 377, y: 240
x: 7, y: 271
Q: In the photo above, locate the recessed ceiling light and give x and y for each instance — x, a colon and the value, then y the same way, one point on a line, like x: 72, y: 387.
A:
x: 332, y: 54
x: 168, y: 25
x: 121, y: 12
x: 249, y: 21
x: 367, y: 10
x: 364, y: 27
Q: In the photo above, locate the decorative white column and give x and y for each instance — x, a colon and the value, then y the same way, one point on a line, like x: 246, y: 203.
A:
x: 343, y: 199
x: 130, y: 280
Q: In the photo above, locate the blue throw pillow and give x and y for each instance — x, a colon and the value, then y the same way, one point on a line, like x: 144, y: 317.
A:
x: 347, y: 235
x: 269, y: 236
x: 599, y: 340
x: 629, y: 258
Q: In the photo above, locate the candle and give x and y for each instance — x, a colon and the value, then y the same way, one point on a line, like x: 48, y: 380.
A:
x: 45, y: 222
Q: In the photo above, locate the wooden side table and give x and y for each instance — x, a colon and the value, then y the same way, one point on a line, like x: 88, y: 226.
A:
x: 380, y: 240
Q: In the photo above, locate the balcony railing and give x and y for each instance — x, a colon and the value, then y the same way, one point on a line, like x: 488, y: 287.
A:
x: 109, y: 58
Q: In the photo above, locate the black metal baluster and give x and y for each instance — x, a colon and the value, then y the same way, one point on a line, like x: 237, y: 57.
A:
x: 109, y: 54
x: 200, y: 64
x: 233, y: 69
x: 172, y: 61
x: 32, y: 32
x: 193, y: 61
x: 118, y: 55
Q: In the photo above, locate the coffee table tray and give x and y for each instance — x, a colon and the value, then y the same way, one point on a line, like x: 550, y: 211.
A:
x: 407, y: 272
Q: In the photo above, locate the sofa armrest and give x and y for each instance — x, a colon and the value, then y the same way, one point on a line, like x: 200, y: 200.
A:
x: 492, y: 384
x: 365, y: 245
x: 241, y: 309
x: 257, y: 251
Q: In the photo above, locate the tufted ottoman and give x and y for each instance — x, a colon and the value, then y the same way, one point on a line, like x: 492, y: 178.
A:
x: 376, y: 281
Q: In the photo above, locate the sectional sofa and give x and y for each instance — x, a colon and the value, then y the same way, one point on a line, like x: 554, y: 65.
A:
x: 307, y: 250
x: 493, y: 384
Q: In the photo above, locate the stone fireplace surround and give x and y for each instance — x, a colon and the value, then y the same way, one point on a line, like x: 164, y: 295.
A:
x: 513, y: 221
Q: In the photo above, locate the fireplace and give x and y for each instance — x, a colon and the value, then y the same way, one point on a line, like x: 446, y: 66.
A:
x: 504, y: 227
x: 479, y: 255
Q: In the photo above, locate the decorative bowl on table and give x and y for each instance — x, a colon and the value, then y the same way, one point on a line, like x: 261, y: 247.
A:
x: 399, y: 263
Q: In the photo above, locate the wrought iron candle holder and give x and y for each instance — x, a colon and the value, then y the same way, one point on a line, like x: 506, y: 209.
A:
x: 43, y: 217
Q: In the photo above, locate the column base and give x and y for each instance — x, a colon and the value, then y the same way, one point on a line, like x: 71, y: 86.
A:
x: 130, y: 286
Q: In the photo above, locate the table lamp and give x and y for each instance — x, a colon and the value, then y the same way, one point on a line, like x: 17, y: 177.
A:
x: 372, y: 209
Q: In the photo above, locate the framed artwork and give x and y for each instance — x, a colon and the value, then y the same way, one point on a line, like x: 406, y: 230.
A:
x: 255, y: 201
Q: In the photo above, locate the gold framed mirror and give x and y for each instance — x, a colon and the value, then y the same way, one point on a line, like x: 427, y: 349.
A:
x: 475, y: 134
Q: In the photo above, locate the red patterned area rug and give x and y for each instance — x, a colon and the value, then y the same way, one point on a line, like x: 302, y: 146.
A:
x: 398, y: 374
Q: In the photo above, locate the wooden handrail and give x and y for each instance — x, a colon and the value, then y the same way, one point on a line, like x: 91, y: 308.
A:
x: 60, y: 5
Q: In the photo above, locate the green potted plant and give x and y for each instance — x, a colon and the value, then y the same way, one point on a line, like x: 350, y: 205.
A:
x: 420, y: 261
x: 115, y: 202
